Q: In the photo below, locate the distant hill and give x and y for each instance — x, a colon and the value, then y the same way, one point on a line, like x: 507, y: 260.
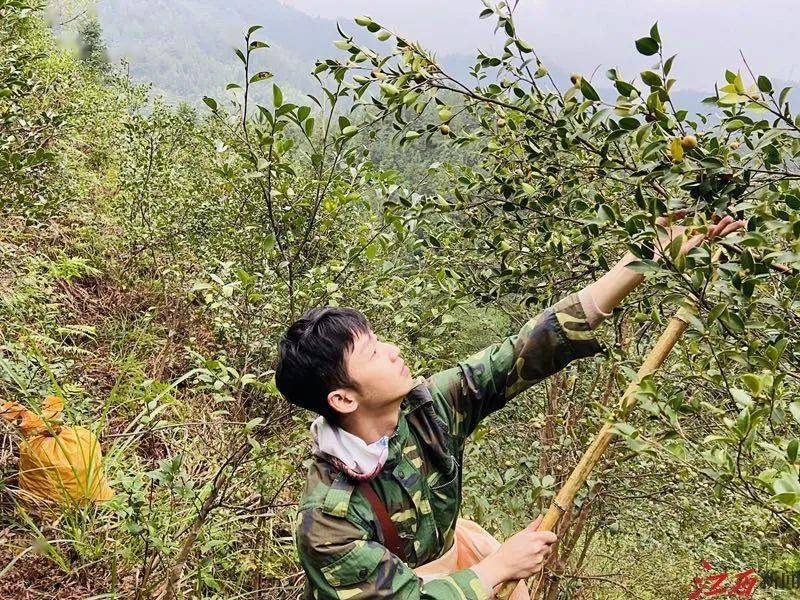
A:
x: 185, y: 47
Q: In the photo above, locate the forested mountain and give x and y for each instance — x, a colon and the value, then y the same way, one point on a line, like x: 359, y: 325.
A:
x: 185, y: 47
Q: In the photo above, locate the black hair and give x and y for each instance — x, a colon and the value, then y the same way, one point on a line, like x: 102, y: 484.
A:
x: 311, y: 357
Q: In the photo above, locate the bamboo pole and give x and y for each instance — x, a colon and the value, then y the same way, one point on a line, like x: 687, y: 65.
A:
x: 563, y: 500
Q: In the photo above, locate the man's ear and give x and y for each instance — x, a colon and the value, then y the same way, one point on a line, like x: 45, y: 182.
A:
x: 342, y: 401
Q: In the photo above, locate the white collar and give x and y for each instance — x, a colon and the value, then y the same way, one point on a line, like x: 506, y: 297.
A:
x: 354, y: 453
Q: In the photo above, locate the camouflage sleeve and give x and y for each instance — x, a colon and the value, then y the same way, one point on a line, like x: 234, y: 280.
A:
x: 341, y: 563
x: 485, y: 381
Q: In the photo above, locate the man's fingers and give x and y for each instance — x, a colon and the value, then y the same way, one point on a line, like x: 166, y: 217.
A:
x: 736, y: 225
x: 535, y: 524
x: 693, y: 242
x: 548, y: 537
x: 726, y: 226
x: 719, y: 226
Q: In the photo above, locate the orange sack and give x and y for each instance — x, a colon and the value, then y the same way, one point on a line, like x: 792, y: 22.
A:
x: 57, y: 463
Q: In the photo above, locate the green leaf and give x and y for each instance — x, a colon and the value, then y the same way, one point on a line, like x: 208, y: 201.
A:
x: 733, y: 99
x: 350, y: 130
x: 738, y: 83
x: 764, y: 84
x: 277, y: 96
x: 629, y: 123
x: 253, y: 423
x: 588, y: 91
x: 364, y: 21
x: 388, y: 89
x: 644, y: 266
x: 523, y: 46
x: 787, y: 489
x: 668, y: 64
x: 752, y: 383
x: 654, y: 33
x: 253, y: 29
x: 743, y: 421
x: 676, y: 150
x: 787, y: 498
x: 651, y: 78
x: 791, y: 450
x: 260, y: 76
x: 647, y: 46
x: 794, y: 408
x: 784, y: 93
x: 741, y: 397
x: 624, y: 88
x: 715, y: 312
x: 623, y: 429
x: 210, y: 102
x: 711, y: 162
x: 676, y: 449
x: 605, y: 213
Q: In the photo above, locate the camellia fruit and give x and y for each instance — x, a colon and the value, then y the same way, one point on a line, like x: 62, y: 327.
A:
x: 501, y: 122
x: 445, y: 129
x: 575, y: 78
x: 689, y: 142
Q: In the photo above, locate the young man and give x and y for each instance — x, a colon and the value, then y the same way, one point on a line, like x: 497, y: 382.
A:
x: 384, y: 490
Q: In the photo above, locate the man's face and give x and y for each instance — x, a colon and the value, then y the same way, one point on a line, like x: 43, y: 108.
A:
x: 377, y: 367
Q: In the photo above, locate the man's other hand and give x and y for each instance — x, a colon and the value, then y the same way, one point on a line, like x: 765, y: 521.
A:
x: 520, y: 556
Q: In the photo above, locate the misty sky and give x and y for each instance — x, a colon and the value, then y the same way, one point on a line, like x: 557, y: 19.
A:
x: 580, y: 35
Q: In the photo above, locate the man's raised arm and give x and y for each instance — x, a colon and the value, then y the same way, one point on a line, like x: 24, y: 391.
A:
x: 560, y: 334
x: 544, y: 345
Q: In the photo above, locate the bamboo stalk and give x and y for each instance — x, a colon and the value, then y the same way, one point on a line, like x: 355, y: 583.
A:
x: 656, y: 357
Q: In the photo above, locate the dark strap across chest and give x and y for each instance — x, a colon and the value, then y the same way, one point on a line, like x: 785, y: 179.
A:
x: 391, y: 539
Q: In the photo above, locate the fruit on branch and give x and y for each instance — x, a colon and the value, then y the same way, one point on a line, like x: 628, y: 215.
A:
x: 445, y: 129
x: 689, y: 142
x: 501, y: 122
x: 575, y: 78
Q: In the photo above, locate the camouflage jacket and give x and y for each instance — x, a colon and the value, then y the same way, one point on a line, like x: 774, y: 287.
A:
x: 339, y: 540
